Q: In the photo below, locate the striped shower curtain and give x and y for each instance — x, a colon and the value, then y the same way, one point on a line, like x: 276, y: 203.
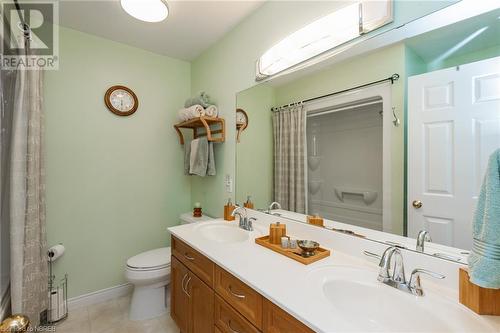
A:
x: 289, y: 127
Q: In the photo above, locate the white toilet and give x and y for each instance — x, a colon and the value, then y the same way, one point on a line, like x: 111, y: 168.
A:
x: 149, y: 272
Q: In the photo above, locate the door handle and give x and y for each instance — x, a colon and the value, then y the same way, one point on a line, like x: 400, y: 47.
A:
x: 184, y: 287
x: 182, y: 283
x: 417, y: 204
x: 235, y: 294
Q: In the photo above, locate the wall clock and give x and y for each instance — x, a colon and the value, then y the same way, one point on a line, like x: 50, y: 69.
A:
x: 241, y: 122
x: 121, y: 100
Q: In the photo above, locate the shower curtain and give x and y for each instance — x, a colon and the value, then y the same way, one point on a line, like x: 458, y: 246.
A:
x: 23, y: 190
x: 289, y: 126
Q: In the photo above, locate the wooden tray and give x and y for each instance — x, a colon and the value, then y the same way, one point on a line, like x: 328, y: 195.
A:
x: 294, y: 254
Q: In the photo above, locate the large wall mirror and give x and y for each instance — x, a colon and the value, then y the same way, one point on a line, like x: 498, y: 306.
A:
x: 384, y: 144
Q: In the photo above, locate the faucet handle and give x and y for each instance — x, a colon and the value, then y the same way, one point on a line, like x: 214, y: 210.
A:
x: 415, y: 284
x: 372, y: 255
x: 250, y: 224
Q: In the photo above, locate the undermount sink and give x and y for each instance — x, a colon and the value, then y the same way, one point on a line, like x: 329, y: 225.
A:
x: 225, y: 232
x: 367, y: 305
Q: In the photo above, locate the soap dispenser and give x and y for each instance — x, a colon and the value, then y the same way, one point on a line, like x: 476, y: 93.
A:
x: 276, y: 231
x: 228, y: 209
x: 248, y: 204
x: 315, y: 220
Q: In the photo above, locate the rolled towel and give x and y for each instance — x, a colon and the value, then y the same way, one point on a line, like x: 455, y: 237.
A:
x: 191, y: 112
x: 484, y: 260
x: 201, y: 99
x: 211, y: 111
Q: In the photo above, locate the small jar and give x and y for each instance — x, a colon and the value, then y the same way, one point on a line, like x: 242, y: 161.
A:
x: 284, y: 242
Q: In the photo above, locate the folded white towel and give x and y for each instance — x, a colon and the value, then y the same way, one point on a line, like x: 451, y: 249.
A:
x: 211, y: 111
x: 191, y: 112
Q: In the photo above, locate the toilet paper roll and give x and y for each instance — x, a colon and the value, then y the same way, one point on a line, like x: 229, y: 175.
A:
x: 55, y: 252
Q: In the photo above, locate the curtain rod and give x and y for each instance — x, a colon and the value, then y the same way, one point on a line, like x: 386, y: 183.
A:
x: 25, y: 26
x: 392, y: 78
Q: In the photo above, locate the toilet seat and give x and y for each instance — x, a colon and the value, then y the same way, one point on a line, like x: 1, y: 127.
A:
x: 153, y: 260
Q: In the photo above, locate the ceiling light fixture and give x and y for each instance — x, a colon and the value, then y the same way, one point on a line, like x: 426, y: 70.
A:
x: 146, y: 10
x: 324, y: 34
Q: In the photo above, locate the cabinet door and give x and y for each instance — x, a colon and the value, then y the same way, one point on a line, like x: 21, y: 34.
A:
x: 228, y: 320
x: 201, y: 307
x: 179, y: 301
x: 240, y: 296
x: 278, y: 321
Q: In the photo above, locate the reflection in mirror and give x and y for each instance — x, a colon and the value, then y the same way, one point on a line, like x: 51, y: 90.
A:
x: 397, y: 156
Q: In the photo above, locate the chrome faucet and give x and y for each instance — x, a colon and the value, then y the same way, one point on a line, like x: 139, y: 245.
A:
x: 398, y: 274
x: 271, y: 206
x: 395, y: 276
x: 245, y: 223
x: 422, y: 237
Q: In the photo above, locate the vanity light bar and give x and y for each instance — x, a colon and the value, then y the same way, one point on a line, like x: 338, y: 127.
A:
x: 324, y: 34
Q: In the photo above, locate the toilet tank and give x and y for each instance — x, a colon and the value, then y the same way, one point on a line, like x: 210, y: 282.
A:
x: 187, y: 218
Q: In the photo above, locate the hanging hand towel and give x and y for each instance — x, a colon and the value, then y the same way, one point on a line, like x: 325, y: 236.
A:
x: 201, y: 158
x: 187, y: 158
x: 484, y: 260
x: 211, y: 160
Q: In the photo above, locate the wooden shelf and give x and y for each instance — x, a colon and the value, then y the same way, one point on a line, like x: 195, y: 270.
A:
x: 203, y: 123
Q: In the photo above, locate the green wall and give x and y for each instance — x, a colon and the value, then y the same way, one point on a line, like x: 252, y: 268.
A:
x: 254, y: 154
x: 114, y: 184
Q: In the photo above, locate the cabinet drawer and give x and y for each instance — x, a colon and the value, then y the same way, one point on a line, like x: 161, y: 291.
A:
x: 199, y: 264
x: 278, y: 321
x: 229, y: 320
x: 244, y: 299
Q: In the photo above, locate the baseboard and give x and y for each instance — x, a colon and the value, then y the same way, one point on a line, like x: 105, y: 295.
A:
x: 99, y: 296
x: 5, y: 304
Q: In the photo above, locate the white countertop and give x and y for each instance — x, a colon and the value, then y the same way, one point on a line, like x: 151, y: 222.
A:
x: 294, y: 286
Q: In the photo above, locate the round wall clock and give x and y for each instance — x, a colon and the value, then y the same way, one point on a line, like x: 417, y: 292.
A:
x: 121, y: 100
x: 241, y: 122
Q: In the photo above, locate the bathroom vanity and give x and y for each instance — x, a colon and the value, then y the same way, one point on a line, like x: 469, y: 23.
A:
x: 204, y: 295
x: 223, y: 281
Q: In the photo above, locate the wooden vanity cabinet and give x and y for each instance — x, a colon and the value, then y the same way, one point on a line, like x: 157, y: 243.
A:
x: 244, y: 299
x: 194, y: 260
x: 278, y: 321
x: 179, y: 301
x: 206, y: 298
x: 192, y: 301
x: 201, y: 305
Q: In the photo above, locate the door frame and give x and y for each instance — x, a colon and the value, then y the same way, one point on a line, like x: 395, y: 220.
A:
x: 384, y: 92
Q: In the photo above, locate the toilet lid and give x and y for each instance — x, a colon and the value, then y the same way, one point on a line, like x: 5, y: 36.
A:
x: 151, y: 259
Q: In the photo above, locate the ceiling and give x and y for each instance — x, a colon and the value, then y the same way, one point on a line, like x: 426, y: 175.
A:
x: 471, y: 35
x: 190, y: 28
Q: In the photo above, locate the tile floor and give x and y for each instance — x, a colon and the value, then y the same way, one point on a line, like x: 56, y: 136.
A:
x: 112, y: 317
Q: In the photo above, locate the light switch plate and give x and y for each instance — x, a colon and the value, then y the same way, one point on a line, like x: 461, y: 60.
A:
x: 228, y: 181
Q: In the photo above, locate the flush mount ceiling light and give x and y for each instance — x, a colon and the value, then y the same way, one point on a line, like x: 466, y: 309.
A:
x: 146, y: 10
x: 324, y: 34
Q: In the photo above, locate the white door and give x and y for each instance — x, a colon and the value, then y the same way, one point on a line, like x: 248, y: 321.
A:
x: 453, y: 127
